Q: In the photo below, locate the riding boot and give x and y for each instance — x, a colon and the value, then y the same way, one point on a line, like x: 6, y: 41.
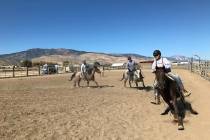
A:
x: 157, y: 97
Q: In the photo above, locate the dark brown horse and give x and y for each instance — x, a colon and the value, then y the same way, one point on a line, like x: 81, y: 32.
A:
x: 89, y: 75
x: 171, y: 94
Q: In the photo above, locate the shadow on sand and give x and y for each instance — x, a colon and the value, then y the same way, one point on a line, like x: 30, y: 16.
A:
x: 101, y: 86
x: 146, y: 88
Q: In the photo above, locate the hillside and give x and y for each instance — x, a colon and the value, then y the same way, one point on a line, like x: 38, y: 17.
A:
x: 60, y: 55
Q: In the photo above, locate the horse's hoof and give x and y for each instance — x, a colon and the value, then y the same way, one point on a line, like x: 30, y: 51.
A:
x: 195, y: 113
x: 164, y: 113
x: 186, y: 94
x: 155, y: 103
x: 175, y: 118
x: 180, y: 127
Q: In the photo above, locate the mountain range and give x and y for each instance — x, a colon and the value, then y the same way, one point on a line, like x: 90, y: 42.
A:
x: 74, y: 56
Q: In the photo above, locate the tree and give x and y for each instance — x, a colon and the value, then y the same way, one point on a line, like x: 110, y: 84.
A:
x: 65, y: 63
x: 26, y: 63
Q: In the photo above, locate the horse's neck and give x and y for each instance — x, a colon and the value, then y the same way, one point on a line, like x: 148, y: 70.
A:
x: 93, y: 72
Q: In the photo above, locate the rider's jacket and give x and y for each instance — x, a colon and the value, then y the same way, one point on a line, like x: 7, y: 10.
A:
x: 162, y: 62
x: 131, y: 65
x: 83, y: 68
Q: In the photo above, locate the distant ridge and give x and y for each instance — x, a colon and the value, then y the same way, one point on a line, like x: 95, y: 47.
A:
x: 61, y: 54
x: 74, y: 56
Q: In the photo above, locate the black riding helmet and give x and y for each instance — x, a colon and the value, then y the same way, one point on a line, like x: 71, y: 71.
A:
x: 129, y: 57
x: 156, y: 53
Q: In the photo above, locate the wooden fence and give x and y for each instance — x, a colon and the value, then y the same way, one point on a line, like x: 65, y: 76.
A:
x: 202, y: 68
x: 22, y: 72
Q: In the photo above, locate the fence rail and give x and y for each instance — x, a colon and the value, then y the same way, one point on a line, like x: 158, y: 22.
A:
x: 202, y: 68
x: 23, y: 72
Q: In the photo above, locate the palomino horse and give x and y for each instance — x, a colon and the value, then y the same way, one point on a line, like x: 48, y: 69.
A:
x: 89, y: 76
x: 133, y: 77
x: 170, y: 92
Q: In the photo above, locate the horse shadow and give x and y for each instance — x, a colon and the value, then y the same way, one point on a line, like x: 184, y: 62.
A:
x: 183, y: 107
x: 146, y: 88
x: 101, y: 86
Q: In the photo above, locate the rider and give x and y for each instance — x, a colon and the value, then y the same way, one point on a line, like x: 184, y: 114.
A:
x: 84, y: 69
x: 131, y: 66
x: 163, y: 62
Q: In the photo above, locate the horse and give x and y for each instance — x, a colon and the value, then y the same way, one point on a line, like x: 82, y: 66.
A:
x: 171, y: 94
x: 135, y: 76
x: 89, y: 75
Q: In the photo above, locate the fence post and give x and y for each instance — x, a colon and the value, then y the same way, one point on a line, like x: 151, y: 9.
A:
x: 27, y: 71
x: 191, y: 64
x: 206, y: 68
x: 39, y: 70
x: 13, y: 71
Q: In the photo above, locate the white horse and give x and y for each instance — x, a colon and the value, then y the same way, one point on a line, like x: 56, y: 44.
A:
x: 135, y: 76
x: 89, y: 76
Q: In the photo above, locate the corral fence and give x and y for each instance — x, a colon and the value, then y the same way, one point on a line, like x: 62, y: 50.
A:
x: 11, y: 72
x: 200, y: 67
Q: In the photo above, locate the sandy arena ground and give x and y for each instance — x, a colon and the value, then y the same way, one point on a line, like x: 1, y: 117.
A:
x: 48, y: 108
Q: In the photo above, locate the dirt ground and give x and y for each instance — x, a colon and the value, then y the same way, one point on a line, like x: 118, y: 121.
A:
x: 48, y: 108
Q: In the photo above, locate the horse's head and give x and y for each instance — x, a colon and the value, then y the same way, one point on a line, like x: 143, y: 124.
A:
x: 97, y: 70
x: 96, y: 64
x: 161, y: 77
x: 95, y: 67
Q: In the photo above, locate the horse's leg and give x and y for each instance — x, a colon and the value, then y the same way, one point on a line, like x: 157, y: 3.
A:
x: 79, y: 82
x: 170, y: 106
x: 166, y: 111
x: 130, y: 83
x: 96, y: 83
x: 136, y: 84
x: 157, y: 98
x: 88, y: 83
x: 180, y: 123
x: 125, y: 81
x: 75, y: 83
x: 189, y: 107
x: 143, y: 83
x: 177, y: 113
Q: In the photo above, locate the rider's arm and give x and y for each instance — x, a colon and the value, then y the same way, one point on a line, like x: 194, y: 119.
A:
x: 82, y: 68
x: 154, y: 66
x: 166, y: 63
x: 127, y: 66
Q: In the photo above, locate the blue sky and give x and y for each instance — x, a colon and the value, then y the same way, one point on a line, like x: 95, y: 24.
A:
x: 111, y: 26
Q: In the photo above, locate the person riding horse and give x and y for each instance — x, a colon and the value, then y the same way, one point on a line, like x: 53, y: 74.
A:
x: 87, y: 73
x: 160, y: 62
x: 83, y: 69
x: 131, y: 66
x: 171, y: 89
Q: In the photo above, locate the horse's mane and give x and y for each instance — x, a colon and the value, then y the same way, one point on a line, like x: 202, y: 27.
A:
x: 90, y: 68
x: 170, y: 83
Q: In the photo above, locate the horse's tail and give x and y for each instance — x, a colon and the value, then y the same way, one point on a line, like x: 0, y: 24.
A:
x: 141, y: 75
x: 123, y: 77
x: 72, y: 76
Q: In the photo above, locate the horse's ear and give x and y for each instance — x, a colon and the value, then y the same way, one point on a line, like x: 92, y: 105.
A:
x: 96, y: 64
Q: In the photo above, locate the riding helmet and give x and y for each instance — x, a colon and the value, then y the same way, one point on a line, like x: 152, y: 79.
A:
x: 156, y: 53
